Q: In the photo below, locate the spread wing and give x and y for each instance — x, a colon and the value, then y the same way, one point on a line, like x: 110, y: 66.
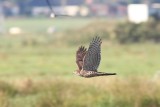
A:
x: 93, y: 55
x: 81, y: 52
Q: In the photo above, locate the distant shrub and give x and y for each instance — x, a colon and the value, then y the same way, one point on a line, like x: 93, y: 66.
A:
x: 85, y: 34
x: 124, y: 32
x: 127, y: 32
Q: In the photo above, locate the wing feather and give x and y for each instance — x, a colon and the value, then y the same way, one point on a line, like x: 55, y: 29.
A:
x: 93, y: 56
x: 81, y: 52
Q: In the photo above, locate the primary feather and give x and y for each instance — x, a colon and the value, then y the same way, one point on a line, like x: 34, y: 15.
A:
x: 93, y: 56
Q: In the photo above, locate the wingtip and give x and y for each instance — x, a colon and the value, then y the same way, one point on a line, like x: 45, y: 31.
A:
x: 98, y: 39
x: 81, y: 49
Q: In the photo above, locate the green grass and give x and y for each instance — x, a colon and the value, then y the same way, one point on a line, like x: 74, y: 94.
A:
x: 37, y: 71
x: 42, y: 24
x: 137, y: 59
x: 125, y: 60
x: 41, y: 76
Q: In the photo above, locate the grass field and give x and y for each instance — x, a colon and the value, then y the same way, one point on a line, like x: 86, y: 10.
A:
x: 40, y: 25
x: 41, y: 74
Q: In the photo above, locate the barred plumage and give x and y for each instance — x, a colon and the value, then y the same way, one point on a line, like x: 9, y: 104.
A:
x: 93, y: 57
x: 89, y: 60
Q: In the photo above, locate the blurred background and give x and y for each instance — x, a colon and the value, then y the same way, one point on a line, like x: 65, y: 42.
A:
x: 37, y: 53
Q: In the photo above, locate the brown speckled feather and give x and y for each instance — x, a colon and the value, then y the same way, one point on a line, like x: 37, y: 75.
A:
x: 93, y: 55
x: 81, y: 52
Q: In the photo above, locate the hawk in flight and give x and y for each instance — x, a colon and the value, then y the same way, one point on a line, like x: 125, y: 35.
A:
x: 89, y: 60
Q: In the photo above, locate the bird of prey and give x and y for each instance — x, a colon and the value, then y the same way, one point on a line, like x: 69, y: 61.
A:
x: 89, y: 60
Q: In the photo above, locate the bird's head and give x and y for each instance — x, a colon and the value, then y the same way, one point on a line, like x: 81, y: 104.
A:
x: 77, y: 72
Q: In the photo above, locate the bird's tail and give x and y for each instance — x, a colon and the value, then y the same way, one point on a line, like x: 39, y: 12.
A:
x: 105, y: 74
